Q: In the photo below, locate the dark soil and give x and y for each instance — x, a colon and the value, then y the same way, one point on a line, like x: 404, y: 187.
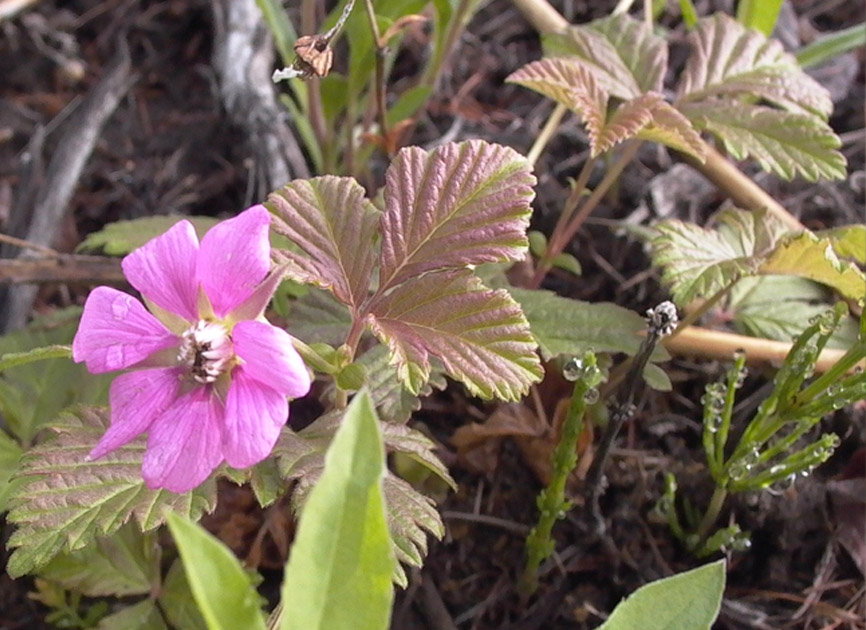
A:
x: 169, y: 148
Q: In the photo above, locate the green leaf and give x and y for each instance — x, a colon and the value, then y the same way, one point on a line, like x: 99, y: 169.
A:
x: 568, y: 263
x: 94, y: 499
x: 121, y: 237
x: 812, y: 257
x: 730, y: 61
x: 690, y: 14
x: 780, y: 307
x: 339, y: 572
x: 848, y: 241
x: 227, y: 603
x: 10, y: 453
x: 784, y: 143
x: 33, y: 394
x: 626, y: 58
x: 697, y: 262
x: 669, y: 127
x: 686, y: 601
x: 759, y: 14
x: 141, y: 616
x: 833, y: 45
x: 335, y: 226
x: 177, y: 602
x: 318, y: 317
x: 125, y: 563
x: 458, y: 205
x: 562, y: 326
x: 480, y: 335
x: 401, y: 438
x: 408, y: 104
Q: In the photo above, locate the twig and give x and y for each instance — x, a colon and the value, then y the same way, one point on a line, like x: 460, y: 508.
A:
x: 62, y: 268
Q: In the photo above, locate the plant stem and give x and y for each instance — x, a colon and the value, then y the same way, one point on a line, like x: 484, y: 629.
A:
x: 381, y: 49
x: 546, y: 133
x: 541, y: 15
x: 713, y: 510
x: 314, y: 93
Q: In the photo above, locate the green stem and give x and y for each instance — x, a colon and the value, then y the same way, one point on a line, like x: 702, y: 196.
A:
x: 546, y: 133
x: 379, y: 88
x: 712, y: 514
x: 14, y: 359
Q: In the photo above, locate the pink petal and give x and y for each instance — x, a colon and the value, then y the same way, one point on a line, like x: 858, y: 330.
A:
x: 116, y: 331
x: 255, y: 414
x: 235, y: 257
x: 185, y: 442
x: 163, y: 270
x: 271, y: 358
x: 137, y: 399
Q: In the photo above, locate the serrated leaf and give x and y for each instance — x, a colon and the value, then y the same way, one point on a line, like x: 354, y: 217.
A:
x: 689, y: 600
x: 399, y: 437
x: 563, y: 326
x: 141, y: 616
x: 318, y: 317
x: 626, y: 58
x: 227, y: 603
x: 335, y: 226
x: 848, y: 241
x: 411, y: 516
x: 393, y: 401
x: 458, y: 205
x: 569, y: 82
x: 65, y: 502
x: 808, y: 256
x: 671, y: 128
x: 177, y: 602
x: 480, y: 336
x: 784, y: 143
x: 780, y: 308
x: 697, y: 262
x: 339, y: 572
x: 122, y: 237
x: 32, y: 395
x: 729, y: 60
x: 125, y: 563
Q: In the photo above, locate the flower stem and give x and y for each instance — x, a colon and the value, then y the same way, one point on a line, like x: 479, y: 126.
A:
x: 546, y: 133
x: 712, y: 513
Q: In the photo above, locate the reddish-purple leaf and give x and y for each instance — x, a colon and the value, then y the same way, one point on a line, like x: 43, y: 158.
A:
x: 729, y: 60
x: 458, y: 205
x: 329, y: 219
x: 480, y: 335
x: 570, y: 82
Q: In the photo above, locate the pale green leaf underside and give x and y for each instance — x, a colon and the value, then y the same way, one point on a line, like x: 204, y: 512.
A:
x: 339, y: 572
x: 458, y: 205
x: 334, y: 225
x: 809, y: 256
x: 686, y: 601
x: 480, y: 336
x: 728, y: 60
x: 784, y: 143
x: 643, y: 52
x: 66, y: 501
x: 121, y: 237
x: 226, y: 603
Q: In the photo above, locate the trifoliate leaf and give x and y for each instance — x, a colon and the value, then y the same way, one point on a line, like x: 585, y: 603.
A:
x: 65, y: 501
x: 809, y: 256
x: 697, y: 262
x: 626, y: 58
x: 729, y: 60
x: 571, y: 83
x: 121, y: 237
x: 480, y: 336
x: 458, y: 205
x: 329, y: 219
x: 784, y: 143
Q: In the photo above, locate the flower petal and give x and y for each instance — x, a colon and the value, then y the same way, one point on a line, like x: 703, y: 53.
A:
x: 116, y: 331
x: 255, y: 413
x: 137, y: 399
x: 235, y: 257
x: 185, y: 442
x: 271, y: 358
x: 163, y: 270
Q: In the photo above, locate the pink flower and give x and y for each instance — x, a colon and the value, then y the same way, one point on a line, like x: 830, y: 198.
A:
x: 211, y: 376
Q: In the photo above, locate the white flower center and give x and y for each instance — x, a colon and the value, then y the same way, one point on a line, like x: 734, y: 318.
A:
x: 206, y: 349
